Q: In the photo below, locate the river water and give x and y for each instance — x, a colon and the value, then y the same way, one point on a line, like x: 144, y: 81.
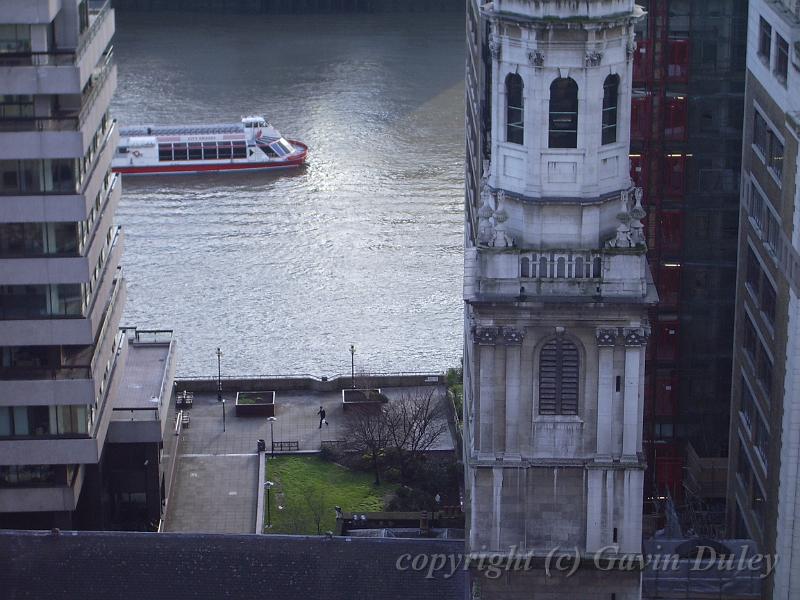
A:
x: 285, y: 271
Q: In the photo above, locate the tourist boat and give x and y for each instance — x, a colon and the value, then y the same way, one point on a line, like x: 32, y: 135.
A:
x: 252, y: 145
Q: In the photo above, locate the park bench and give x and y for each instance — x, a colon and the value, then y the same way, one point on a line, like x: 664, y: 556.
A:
x: 285, y: 446
x: 184, y: 420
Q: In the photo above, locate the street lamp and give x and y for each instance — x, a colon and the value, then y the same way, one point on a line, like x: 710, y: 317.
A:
x: 219, y: 375
x: 353, y: 366
x: 272, y: 435
x: 268, y: 486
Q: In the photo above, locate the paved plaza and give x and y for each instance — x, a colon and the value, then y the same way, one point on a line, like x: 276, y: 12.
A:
x: 215, y: 489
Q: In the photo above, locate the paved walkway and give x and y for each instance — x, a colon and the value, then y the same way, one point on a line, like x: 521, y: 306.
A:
x: 215, y: 488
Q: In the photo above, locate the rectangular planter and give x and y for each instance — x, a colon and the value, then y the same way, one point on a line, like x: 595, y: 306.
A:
x: 262, y: 406
x: 369, y: 398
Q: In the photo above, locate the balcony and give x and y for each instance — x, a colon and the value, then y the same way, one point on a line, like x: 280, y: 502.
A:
x: 63, y: 134
x: 60, y: 496
x: 87, y: 449
x: 48, y: 207
x: 29, y: 12
x: 72, y: 330
x: 61, y: 71
x: 65, y: 268
x: 557, y: 274
x: 78, y: 381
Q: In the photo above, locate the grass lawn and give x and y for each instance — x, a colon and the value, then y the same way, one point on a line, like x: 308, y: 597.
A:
x: 307, y: 488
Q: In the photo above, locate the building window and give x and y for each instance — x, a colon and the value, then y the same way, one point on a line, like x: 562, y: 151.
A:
x: 16, y: 107
x: 42, y: 301
x: 764, y: 40
x: 753, y: 271
x: 775, y: 156
x: 772, y: 233
x: 750, y: 340
x: 760, y: 133
x: 515, y: 117
x: 747, y: 407
x: 758, y: 504
x: 781, y: 69
x: 761, y: 439
x: 15, y: 39
x: 610, y: 102
x: 564, y: 113
x: 768, y: 301
x: 559, y: 367
x: 756, y: 206
x: 764, y: 371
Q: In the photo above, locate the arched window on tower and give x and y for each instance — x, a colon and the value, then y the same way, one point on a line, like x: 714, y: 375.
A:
x: 559, y: 368
x: 610, y: 104
x: 515, y: 113
x: 564, y: 113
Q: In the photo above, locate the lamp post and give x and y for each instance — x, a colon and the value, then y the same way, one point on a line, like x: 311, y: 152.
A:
x: 272, y: 435
x: 219, y: 375
x: 353, y: 366
x: 268, y: 486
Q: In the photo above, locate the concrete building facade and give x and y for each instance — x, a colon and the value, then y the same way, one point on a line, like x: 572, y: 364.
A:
x: 556, y: 289
x: 62, y: 353
x: 764, y: 481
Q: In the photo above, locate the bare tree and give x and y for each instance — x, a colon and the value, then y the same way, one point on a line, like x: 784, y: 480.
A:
x: 415, y: 423
x: 367, y: 433
x: 294, y: 517
x: 317, y: 502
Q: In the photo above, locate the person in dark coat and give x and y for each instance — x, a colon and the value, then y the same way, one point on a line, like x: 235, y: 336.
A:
x: 322, y: 419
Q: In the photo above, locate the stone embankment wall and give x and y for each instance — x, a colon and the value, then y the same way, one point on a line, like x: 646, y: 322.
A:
x: 308, y: 382
x: 292, y: 6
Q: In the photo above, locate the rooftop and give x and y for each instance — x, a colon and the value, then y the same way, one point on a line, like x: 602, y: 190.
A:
x: 146, y: 388
x: 42, y: 565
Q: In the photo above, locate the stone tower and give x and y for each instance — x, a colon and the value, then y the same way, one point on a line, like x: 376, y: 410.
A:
x: 556, y: 292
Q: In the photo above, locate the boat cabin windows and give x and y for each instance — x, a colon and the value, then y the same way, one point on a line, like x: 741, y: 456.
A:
x: 195, y: 151
x: 268, y: 150
x: 202, y: 151
x: 224, y: 150
x: 181, y: 151
x: 210, y: 151
x: 239, y: 149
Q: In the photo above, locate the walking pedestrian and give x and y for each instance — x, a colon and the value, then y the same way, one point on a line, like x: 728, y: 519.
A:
x: 322, y: 419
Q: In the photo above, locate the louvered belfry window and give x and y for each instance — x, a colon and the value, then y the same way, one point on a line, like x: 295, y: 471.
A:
x: 558, y: 378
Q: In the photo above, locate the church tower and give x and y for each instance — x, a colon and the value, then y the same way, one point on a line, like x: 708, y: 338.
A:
x: 556, y: 292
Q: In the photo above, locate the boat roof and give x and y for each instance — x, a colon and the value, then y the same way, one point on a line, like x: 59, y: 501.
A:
x: 152, y: 130
x: 199, y: 129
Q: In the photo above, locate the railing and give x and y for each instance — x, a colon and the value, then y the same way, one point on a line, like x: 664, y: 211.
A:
x: 315, y: 377
x: 560, y: 265
x: 98, y: 81
x: 150, y: 336
x: 104, y: 328
x: 99, y: 10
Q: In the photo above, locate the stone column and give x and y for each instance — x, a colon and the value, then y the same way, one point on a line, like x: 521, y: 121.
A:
x: 635, y: 341
x: 486, y: 338
x: 606, y: 339
x: 594, y: 510
x: 513, y: 340
x: 497, y: 506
